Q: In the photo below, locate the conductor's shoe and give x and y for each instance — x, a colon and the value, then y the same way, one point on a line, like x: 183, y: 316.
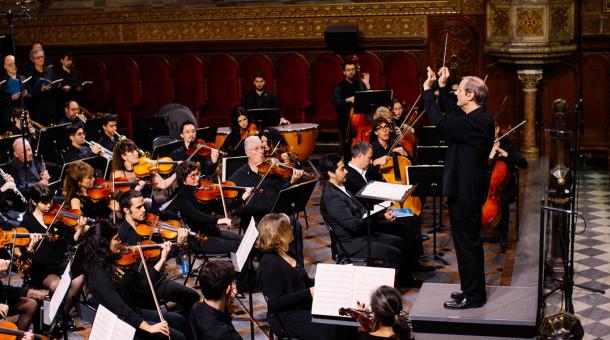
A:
x: 463, y: 303
x: 456, y: 296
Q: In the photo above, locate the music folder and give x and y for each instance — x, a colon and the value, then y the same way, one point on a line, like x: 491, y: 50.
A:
x: 368, y: 101
x: 384, y: 191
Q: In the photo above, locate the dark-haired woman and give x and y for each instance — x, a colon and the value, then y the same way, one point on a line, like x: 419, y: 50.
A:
x: 48, y: 260
x: 386, y: 305
x: 241, y: 127
x: 286, y: 286
x: 115, y: 289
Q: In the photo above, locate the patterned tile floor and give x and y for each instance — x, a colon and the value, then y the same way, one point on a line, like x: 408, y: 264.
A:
x: 592, y: 261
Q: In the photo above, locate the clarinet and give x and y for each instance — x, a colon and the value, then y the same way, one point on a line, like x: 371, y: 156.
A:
x: 15, y: 190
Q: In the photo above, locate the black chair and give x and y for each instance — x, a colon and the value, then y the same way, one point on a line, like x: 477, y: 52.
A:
x: 338, y: 252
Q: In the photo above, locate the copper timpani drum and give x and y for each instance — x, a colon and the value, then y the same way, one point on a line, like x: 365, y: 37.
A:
x: 301, y: 138
x: 221, y: 134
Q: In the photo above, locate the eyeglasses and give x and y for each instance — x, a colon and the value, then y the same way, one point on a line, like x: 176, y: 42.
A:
x: 81, y: 134
x: 383, y: 127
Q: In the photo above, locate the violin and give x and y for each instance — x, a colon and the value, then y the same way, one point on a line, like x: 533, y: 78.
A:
x: 102, y: 188
x: 68, y: 217
x: 251, y: 130
x: 366, y: 320
x: 19, y: 236
x: 283, y: 170
x: 202, y: 148
x: 145, y: 166
x: 167, y: 229
x: 208, y: 191
x: 9, y: 331
x: 130, y: 254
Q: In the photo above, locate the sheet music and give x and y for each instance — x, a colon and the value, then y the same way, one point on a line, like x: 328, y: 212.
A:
x: 388, y: 191
x: 379, y: 207
x: 60, y: 292
x: 108, y: 326
x: 342, y: 285
x: 241, y: 256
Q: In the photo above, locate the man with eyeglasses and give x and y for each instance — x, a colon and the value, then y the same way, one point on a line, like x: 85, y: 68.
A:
x: 381, y: 146
x: 77, y: 148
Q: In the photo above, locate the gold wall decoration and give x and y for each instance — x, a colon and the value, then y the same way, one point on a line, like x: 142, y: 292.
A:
x: 500, y: 22
x: 392, y: 20
x: 560, y: 23
x: 472, y: 5
x: 606, y: 5
x: 530, y: 22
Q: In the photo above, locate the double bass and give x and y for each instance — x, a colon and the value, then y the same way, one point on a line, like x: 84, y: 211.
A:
x: 358, y: 125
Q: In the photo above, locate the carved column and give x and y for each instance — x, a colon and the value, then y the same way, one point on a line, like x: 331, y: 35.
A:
x: 530, y: 79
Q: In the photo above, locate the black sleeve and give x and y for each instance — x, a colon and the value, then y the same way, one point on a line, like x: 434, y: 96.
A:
x: 205, y: 222
x: 101, y: 285
x: 273, y: 286
x: 340, y: 104
x: 340, y: 212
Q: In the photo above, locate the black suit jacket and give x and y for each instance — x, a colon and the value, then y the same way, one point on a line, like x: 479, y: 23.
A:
x: 355, y: 182
x: 470, y: 137
x: 344, y: 215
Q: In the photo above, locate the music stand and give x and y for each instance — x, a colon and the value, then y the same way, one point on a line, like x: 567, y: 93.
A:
x: 265, y: 117
x: 93, y: 129
x: 207, y: 133
x: 232, y: 164
x: 165, y: 150
x: 292, y: 201
x: 51, y: 140
x: 366, y: 102
x: 431, y: 155
x: 97, y: 162
x: 430, y: 183
x: 429, y: 135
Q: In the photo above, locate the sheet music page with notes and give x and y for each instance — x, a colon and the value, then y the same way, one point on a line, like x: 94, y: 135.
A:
x: 108, y: 326
x: 386, y: 191
x: 241, y: 256
x: 338, y: 286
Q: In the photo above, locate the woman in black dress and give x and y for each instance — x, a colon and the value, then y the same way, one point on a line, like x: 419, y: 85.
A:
x: 286, y: 286
x: 386, y: 305
x: 241, y: 127
x: 116, y: 289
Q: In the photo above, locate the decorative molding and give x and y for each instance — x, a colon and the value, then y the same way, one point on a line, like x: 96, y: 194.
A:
x: 397, y: 20
x: 560, y: 23
x: 472, y: 5
x: 500, y: 22
x: 530, y: 22
x: 530, y: 79
x: 606, y: 5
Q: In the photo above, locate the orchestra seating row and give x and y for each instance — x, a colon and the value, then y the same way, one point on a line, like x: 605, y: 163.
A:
x: 212, y: 85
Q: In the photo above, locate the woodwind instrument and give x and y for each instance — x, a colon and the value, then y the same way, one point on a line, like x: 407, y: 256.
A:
x: 15, y: 190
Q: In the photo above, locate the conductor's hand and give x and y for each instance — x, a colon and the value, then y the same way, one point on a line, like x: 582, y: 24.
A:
x: 296, y: 174
x: 430, y: 80
x: 380, y: 161
x: 443, y: 75
x: 161, y: 327
x: 389, y: 215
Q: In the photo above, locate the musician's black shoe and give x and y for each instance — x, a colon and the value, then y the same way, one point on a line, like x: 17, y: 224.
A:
x: 463, y: 303
x: 456, y: 296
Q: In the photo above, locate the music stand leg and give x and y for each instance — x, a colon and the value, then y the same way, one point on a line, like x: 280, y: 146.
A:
x: 436, y: 255
x: 298, y: 236
x: 250, y: 302
x: 315, y: 170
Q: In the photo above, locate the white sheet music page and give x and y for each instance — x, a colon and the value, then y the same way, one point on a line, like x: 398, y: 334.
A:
x: 387, y: 191
x: 108, y: 326
x: 60, y: 292
x: 379, y: 207
x: 367, y: 279
x: 333, y: 288
x: 241, y: 256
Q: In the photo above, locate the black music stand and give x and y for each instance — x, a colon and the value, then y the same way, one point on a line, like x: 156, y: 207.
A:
x: 51, y: 140
x: 232, y: 164
x: 265, y: 117
x: 429, y: 135
x: 165, y: 150
x: 430, y: 183
x: 431, y: 155
x: 366, y: 102
x: 6, y: 148
x: 97, y: 162
x: 292, y: 201
x: 207, y: 133
x: 93, y: 129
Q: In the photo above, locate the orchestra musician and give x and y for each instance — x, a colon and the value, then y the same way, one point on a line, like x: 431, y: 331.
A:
x: 108, y: 139
x: 242, y: 127
x: 15, y: 127
x: 285, y: 284
x: 188, y: 133
x: 132, y: 207
x: 36, y: 173
x: 48, y: 259
x: 79, y: 178
x: 470, y: 130
x: 18, y: 300
x: 346, y: 215
x: 10, y: 93
x: 116, y: 290
x: 210, y: 319
x: 43, y: 104
x: 381, y: 146
x: 72, y: 114
x: 386, y: 306
x: 9, y: 214
x: 260, y: 98
x: 343, y: 99
x: 77, y: 148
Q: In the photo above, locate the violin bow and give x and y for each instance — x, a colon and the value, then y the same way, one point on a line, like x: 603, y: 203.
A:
x: 50, y: 224
x: 113, y: 204
x: 251, y: 318
x: 410, y: 111
x: 258, y: 185
x: 509, y: 131
x: 152, y: 289
x: 445, y: 53
x: 404, y: 133
x: 222, y: 198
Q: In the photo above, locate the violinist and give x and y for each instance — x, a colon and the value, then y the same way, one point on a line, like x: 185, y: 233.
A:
x: 470, y: 130
x: 275, y: 145
x: 188, y: 133
x: 48, y: 259
x: 242, y: 127
x: 77, y: 148
x: 386, y: 308
x: 124, y: 156
x: 108, y: 139
x: 22, y: 300
x: 116, y: 290
x: 285, y: 284
x: 506, y: 151
x: 211, y: 318
x: 79, y: 178
x: 132, y: 207
x: 343, y: 98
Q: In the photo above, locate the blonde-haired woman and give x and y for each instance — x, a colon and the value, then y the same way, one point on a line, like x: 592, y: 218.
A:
x: 285, y: 285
